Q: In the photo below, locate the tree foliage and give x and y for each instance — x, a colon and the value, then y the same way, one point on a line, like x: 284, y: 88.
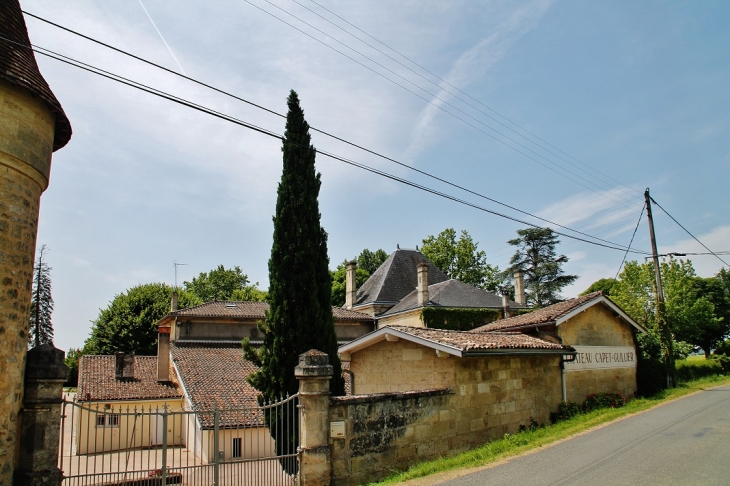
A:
x: 603, y: 284
x: 369, y: 261
x: 697, y: 309
x: 128, y: 323
x: 72, y: 361
x: 300, y: 312
x: 541, y: 266
x: 41, y: 305
x: 460, y: 259
x: 224, y: 284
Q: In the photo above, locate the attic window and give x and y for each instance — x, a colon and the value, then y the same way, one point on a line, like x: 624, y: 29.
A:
x: 231, y: 304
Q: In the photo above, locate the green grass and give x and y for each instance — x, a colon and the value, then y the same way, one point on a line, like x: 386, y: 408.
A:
x: 696, y: 357
x: 512, y: 445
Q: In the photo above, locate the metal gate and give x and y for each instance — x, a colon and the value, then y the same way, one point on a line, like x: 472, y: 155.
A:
x: 116, y: 445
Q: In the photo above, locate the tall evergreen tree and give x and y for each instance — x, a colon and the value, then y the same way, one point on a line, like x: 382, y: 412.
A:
x: 541, y: 265
x: 41, y: 305
x: 300, y: 313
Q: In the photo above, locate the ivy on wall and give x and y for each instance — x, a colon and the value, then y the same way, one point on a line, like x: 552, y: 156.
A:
x: 458, y: 319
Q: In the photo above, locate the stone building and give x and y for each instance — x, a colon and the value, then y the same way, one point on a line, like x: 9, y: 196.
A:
x: 32, y: 126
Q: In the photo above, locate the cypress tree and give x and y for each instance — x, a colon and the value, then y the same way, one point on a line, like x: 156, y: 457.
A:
x: 41, y: 306
x: 300, y: 313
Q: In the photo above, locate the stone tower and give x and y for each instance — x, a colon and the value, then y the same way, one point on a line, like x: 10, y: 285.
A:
x: 32, y: 126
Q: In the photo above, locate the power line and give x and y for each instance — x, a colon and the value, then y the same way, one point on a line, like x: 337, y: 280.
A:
x: 441, y: 87
x: 687, y: 231
x: 457, y: 89
x: 402, y: 164
x: 641, y: 214
x: 436, y: 105
x: 270, y: 133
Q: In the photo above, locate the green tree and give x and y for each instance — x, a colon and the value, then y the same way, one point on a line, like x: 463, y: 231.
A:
x: 41, y: 305
x: 369, y: 261
x: 72, y: 361
x: 461, y: 259
x: 224, y: 284
x: 300, y: 312
x: 603, y: 284
x: 540, y: 265
x: 128, y: 323
x: 339, y: 284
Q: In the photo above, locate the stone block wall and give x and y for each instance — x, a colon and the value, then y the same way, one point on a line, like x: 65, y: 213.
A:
x: 26, y: 142
x: 580, y: 384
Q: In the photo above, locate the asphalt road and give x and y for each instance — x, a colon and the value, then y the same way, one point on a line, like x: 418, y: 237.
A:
x: 685, y: 442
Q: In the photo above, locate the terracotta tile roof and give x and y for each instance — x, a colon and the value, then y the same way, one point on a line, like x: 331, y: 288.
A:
x: 18, y: 66
x: 452, y: 293
x: 467, y: 341
x: 97, y: 381
x: 253, y: 310
x: 396, y: 278
x: 545, y: 315
x: 214, y: 377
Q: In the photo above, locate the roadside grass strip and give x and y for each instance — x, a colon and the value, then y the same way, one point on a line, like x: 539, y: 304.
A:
x: 515, y: 444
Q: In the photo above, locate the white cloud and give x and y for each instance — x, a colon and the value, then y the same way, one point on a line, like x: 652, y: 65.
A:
x: 706, y: 265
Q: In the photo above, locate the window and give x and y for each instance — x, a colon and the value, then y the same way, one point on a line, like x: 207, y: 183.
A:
x: 237, y: 447
x: 107, y: 420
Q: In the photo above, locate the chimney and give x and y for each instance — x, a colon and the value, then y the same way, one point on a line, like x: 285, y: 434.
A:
x: 505, y: 306
x: 350, y: 284
x: 173, y: 301
x: 520, y: 288
x: 422, y: 284
x: 163, y: 354
x: 124, y: 367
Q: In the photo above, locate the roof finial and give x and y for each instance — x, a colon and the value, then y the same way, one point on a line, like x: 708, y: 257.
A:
x: 416, y: 247
x: 397, y: 246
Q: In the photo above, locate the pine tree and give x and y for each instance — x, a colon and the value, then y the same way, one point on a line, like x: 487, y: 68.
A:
x: 41, y: 306
x: 300, y: 313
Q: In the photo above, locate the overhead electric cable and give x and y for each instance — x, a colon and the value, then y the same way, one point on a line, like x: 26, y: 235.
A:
x: 436, y: 105
x: 641, y: 214
x: 454, y: 87
x: 687, y: 231
x: 441, y: 87
x: 218, y: 90
x: 270, y: 133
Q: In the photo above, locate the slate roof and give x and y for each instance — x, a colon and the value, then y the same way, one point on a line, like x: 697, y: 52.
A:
x: 253, y: 310
x: 214, y: 377
x: 462, y: 343
x: 452, y: 293
x: 546, y: 315
x: 18, y: 66
x: 97, y: 381
x: 396, y: 278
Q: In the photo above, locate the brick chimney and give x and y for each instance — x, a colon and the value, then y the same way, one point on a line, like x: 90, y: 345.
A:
x: 350, y: 284
x: 422, y: 284
x: 505, y: 306
x: 124, y: 367
x: 520, y: 297
x: 173, y: 301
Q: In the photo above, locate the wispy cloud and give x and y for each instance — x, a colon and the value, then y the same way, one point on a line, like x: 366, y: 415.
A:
x: 718, y: 239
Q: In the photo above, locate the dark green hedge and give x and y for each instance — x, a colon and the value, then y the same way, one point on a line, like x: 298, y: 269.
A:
x: 458, y: 319
x: 691, y: 370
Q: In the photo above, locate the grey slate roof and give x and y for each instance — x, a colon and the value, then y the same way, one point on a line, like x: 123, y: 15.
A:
x: 396, y: 278
x: 253, y: 310
x: 453, y: 293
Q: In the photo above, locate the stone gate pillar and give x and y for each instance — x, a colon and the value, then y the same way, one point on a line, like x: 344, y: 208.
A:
x: 32, y: 126
x: 40, y: 418
x: 314, y: 373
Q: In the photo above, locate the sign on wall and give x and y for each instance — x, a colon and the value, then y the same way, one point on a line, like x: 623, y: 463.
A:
x: 602, y: 357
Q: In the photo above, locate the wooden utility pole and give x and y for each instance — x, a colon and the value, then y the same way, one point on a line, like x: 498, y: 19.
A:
x: 665, y: 333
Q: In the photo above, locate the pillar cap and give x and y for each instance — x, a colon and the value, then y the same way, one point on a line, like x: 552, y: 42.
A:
x: 313, y: 363
x: 45, y: 362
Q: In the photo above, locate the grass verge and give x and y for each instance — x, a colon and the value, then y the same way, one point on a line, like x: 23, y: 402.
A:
x: 513, y: 445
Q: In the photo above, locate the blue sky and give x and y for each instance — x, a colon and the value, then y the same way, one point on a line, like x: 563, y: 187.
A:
x: 628, y: 94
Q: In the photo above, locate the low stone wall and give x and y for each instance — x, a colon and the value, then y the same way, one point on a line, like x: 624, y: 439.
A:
x: 389, y: 431
x: 580, y: 384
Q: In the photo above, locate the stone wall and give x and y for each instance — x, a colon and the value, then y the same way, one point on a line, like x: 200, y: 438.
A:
x: 26, y: 142
x: 400, y: 424
x: 598, y: 326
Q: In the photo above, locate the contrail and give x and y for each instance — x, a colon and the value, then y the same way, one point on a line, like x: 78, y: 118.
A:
x: 163, y: 39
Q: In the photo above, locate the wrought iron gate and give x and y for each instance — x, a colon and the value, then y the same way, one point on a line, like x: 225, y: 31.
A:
x: 116, y: 445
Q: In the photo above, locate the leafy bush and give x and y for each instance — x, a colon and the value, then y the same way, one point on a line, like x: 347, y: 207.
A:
x: 691, y: 370
x: 565, y: 411
x: 723, y: 348
x: 651, y: 377
x: 603, y: 400
x: 724, y: 362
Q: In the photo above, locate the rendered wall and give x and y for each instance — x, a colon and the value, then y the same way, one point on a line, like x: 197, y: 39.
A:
x: 598, y: 326
x: 412, y: 318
